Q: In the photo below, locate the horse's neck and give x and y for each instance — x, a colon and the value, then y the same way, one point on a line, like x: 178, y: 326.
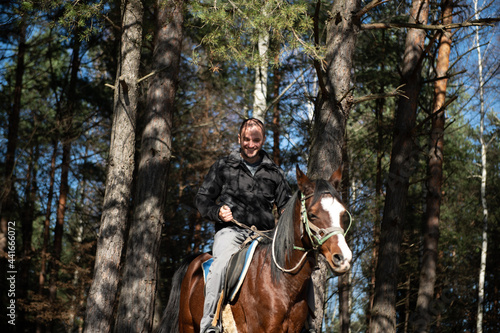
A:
x: 304, y: 271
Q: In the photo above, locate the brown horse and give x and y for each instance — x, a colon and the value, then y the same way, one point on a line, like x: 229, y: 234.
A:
x: 273, y: 296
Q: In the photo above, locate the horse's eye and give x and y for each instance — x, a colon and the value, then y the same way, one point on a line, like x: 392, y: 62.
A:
x: 312, y: 217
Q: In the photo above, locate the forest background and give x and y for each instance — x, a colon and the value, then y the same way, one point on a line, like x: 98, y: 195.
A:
x: 67, y: 74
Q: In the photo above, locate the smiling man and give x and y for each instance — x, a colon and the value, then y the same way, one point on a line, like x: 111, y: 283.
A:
x: 251, y: 138
x: 245, y: 185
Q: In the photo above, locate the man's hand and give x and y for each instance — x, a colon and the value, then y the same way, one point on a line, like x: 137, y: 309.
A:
x: 225, y: 214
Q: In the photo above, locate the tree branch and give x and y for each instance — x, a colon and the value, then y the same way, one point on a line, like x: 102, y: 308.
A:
x: 394, y: 93
x: 142, y: 78
x: 480, y: 22
x: 447, y: 76
x: 434, y: 114
x: 368, y: 7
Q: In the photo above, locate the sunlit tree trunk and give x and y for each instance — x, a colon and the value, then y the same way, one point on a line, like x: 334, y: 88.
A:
x: 434, y: 183
x: 260, y: 89
x: 401, y: 167
x: 138, y: 294
x: 113, y: 230
x: 484, y: 243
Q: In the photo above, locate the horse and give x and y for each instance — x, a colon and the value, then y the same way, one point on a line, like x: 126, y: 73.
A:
x: 273, y: 296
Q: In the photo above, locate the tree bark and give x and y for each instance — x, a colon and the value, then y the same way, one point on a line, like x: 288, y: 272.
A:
x: 434, y: 184
x: 401, y: 167
x: 331, y: 112
x: 44, y: 256
x: 66, y: 123
x: 276, y: 128
x: 335, y: 95
x: 112, y: 233
x: 484, y: 204
x: 379, y: 196
x: 59, y: 227
x: 27, y: 218
x: 137, y: 298
x: 260, y: 89
x: 10, y: 155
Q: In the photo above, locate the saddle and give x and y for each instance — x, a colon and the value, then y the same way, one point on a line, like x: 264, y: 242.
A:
x: 236, y: 270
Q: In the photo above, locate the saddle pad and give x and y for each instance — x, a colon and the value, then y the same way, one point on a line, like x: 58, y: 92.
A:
x: 206, y: 268
x: 237, y: 268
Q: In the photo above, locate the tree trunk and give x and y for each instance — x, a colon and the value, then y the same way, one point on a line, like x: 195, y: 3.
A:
x: 46, y: 225
x: 10, y: 155
x: 112, y: 233
x: 66, y: 123
x: 276, y: 117
x: 44, y: 254
x: 434, y: 184
x: 335, y: 96
x: 379, y: 196
x: 260, y: 89
x: 401, y: 167
x: 407, y: 298
x: 137, y: 298
x: 60, y: 213
x: 484, y: 243
x: 27, y: 218
x: 330, y: 114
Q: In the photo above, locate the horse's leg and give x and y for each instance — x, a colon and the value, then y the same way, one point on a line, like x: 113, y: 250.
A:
x: 192, y: 297
x: 298, y: 317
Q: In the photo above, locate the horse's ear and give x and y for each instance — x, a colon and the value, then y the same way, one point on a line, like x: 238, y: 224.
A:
x: 303, y: 181
x: 336, y: 177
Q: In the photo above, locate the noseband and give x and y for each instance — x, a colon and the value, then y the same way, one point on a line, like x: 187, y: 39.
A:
x: 317, y: 236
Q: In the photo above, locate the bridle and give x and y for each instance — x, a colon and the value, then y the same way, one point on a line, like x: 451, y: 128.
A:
x: 317, y: 236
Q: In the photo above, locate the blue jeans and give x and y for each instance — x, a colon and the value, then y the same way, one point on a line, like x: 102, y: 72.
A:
x: 227, y: 241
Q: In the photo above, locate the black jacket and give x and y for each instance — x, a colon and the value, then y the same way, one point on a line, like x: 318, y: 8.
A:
x: 251, y: 198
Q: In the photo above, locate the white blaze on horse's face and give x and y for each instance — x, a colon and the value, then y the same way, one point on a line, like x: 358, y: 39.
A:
x: 336, y: 209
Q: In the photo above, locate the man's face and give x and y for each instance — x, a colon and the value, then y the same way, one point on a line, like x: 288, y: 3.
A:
x: 251, y: 140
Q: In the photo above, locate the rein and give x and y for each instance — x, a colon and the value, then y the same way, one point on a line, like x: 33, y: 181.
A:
x: 317, y: 236
x: 252, y: 228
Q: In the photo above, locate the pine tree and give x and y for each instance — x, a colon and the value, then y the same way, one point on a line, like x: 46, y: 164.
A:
x: 114, y: 223
x: 402, y: 164
x: 138, y: 294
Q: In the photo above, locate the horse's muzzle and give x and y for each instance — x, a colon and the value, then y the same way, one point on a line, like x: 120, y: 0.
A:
x: 339, y: 264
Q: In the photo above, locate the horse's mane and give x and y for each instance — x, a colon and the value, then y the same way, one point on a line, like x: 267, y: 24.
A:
x: 284, y: 241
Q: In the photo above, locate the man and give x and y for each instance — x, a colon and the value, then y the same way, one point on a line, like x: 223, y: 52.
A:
x: 243, y: 186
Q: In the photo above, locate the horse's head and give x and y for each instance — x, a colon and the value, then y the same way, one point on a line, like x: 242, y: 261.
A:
x: 325, y: 219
